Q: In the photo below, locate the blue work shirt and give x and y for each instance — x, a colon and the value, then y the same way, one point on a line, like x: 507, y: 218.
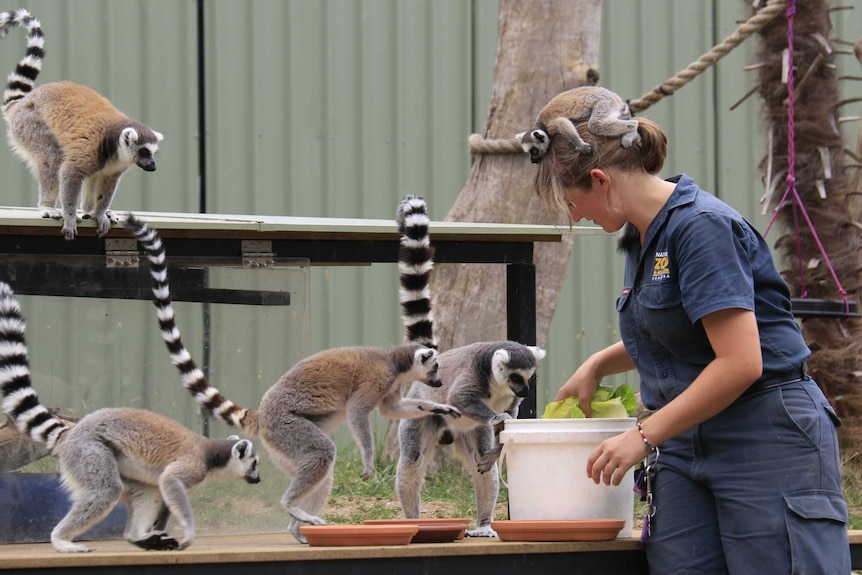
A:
x: 699, y: 256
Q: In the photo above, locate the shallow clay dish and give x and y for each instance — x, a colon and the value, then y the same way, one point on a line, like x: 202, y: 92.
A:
x: 431, y: 529
x: 343, y: 535
x: 558, y: 530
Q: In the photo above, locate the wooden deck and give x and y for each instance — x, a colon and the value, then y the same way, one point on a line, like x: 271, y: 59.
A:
x: 279, y: 553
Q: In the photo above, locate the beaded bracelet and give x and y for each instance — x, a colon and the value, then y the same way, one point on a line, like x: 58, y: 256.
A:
x: 650, y: 447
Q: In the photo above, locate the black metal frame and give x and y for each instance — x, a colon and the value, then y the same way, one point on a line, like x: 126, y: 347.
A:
x: 102, y: 281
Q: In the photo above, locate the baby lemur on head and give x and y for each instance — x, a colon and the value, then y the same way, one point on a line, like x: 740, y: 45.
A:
x: 116, y: 454
x: 308, y: 403
x: 70, y: 137
x: 608, y: 115
x: 485, y: 381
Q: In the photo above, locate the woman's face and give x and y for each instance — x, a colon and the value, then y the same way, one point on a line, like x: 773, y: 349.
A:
x: 592, y: 204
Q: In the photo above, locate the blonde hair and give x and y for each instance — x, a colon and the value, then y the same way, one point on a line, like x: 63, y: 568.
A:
x: 563, y: 167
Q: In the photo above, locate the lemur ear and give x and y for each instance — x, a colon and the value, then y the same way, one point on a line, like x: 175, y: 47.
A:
x: 241, y: 448
x: 501, y: 357
x: 538, y: 352
x: 158, y: 135
x: 233, y: 437
x: 129, y: 136
x: 426, y: 355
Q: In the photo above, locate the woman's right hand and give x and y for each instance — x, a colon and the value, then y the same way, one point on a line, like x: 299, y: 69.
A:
x: 582, y: 385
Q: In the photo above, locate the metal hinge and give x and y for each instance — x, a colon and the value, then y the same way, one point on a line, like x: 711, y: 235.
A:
x: 121, y: 253
x: 257, y: 254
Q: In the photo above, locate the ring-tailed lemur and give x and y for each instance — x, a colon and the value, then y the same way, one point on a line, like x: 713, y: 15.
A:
x: 307, y: 404
x: 145, y: 459
x: 485, y: 381
x: 608, y: 115
x: 70, y: 137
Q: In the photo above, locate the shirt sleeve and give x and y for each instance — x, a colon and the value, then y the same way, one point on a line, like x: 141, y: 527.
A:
x: 714, y: 254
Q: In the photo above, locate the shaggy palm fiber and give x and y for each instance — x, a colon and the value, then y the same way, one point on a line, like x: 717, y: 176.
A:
x: 836, y: 343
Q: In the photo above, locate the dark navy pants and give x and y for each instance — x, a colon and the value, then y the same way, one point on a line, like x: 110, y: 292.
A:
x: 754, y: 490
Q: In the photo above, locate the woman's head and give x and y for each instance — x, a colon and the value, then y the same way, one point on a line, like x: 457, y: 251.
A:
x: 563, y: 167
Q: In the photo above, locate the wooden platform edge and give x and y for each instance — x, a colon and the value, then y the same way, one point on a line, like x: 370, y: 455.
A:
x: 281, y: 547
x: 276, y: 547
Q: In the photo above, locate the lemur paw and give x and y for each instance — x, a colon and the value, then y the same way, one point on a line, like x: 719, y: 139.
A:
x: 52, y: 213
x: 630, y: 139
x: 499, y: 418
x: 158, y: 541
x: 69, y: 231
x: 452, y: 412
x: 63, y: 546
x: 483, y: 531
x: 294, y: 525
x: 487, y: 461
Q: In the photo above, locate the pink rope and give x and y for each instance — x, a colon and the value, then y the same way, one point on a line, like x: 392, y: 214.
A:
x: 791, y: 175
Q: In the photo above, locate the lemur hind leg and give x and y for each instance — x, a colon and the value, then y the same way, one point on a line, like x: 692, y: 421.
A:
x: 148, y: 516
x: 486, y: 485
x: 93, y: 494
x: 302, y: 449
x: 415, y: 438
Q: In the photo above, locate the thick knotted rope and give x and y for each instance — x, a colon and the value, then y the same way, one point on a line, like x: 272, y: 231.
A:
x: 477, y: 144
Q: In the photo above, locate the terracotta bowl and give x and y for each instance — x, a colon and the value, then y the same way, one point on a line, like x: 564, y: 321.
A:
x: 558, y: 530
x: 431, y: 529
x: 346, y: 535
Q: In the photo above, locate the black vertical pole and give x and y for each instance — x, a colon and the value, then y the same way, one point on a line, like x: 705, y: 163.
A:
x: 202, y: 124
x: 202, y: 191
x: 521, y: 323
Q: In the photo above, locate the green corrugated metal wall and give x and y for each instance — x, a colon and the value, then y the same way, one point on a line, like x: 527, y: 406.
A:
x: 340, y: 107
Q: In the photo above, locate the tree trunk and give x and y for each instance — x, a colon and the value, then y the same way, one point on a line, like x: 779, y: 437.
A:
x: 543, y: 48
x: 820, y: 168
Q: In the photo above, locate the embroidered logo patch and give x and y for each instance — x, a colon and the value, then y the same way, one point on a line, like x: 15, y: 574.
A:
x: 661, y: 269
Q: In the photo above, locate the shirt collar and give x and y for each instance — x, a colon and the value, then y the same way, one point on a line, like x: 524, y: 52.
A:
x: 683, y: 194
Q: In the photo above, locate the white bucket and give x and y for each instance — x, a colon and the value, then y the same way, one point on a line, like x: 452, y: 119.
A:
x: 546, y: 470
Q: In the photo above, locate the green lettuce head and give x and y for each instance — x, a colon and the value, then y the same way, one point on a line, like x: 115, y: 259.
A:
x: 606, y: 402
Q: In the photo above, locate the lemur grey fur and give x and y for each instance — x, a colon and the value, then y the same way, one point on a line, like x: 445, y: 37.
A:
x: 485, y: 381
x: 608, y: 115
x: 70, y: 137
x: 145, y: 459
x: 307, y: 404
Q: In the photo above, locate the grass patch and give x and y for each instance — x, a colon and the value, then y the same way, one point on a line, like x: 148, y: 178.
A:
x: 446, y: 493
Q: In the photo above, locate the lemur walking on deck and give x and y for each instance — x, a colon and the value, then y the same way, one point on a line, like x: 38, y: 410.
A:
x: 116, y: 454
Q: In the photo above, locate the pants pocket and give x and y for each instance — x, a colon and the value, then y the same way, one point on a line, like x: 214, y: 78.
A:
x: 817, y: 530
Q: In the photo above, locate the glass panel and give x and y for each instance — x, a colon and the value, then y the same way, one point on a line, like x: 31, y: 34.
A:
x: 94, y: 342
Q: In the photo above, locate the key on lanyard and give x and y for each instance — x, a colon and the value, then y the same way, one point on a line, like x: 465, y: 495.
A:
x: 643, y: 486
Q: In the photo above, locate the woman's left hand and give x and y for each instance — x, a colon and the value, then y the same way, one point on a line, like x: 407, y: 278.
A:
x: 612, y: 459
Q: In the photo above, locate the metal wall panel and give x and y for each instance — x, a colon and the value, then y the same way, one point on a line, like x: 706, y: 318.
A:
x: 340, y: 107
x: 139, y: 55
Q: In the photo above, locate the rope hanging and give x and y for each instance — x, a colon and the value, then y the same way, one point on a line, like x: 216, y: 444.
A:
x: 478, y: 144
x: 796, y: 200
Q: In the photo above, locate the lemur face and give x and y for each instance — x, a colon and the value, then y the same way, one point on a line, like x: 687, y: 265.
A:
x: 426, y: 359
x: 246, y: 461
x: 534, y: 142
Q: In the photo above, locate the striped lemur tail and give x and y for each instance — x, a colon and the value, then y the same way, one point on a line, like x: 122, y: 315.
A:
x: 20, y: 401
x: 20, y: 82
x: 415, y: 261
x: 193, y: 378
